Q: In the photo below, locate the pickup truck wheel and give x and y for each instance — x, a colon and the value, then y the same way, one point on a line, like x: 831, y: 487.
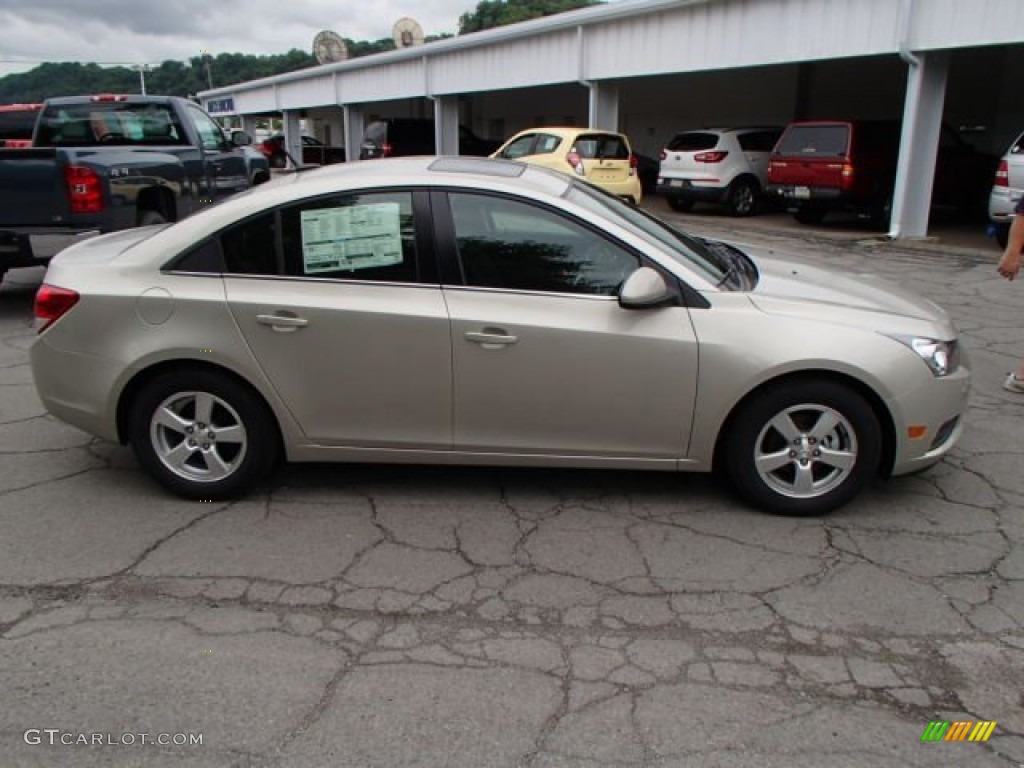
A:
x: 202, y: 435
x: 149, y: 217
x: 803, y: 447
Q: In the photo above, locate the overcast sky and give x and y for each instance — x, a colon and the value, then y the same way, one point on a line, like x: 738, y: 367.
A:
x: 150, y: 31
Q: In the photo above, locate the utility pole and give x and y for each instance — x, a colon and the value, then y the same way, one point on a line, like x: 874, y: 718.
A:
x: 207, y: 58
x: 142, y: 69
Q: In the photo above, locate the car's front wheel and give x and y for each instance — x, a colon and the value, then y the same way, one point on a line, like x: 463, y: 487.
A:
x: 201, y: 434
x: 803, y: 447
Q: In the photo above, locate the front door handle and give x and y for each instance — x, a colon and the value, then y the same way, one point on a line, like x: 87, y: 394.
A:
x: 283, y: 323
x: 491, y: 338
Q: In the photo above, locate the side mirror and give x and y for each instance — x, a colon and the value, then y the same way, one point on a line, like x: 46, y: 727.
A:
x: 241, y: 139
x: 644, y: 289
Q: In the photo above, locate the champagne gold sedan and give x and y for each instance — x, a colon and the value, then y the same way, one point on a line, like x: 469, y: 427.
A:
x: 475, y: 311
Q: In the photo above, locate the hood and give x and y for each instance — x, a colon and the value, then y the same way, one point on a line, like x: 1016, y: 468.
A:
x: 786, y: 282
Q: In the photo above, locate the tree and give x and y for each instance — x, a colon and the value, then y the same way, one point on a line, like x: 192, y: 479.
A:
x: 498, y: 13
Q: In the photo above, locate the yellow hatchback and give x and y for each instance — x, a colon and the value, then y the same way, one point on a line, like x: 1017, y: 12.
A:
x: 603, y: 158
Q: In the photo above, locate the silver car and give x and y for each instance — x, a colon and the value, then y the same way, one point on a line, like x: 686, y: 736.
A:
x: 475, y: 311
x: 1007, y: 190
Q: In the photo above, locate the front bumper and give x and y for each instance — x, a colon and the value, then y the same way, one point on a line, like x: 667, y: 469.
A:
x: 939, y: 406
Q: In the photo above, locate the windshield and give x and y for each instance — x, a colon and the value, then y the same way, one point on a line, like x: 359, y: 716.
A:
x: 688, y: 251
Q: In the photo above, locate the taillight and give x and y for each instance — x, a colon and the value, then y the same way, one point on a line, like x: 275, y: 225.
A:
x: 663, y: 155
x: 51, y: 304
x: 386, y: 150
x: 85, y: 189
x: 108, y: 97
x: 574, y: 159
x: 1003, y: 174
x: 634, y: 163
x: 710, y: 157
x: 846, y: 176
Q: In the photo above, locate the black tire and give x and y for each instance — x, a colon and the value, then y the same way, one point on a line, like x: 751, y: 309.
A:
x: 148, y: 217
x: 679, y: 204
x: 800, y: 482
x: 741, y: 199
x: 809, y: 214
x: 208, y: 469
x: 278, y: 160
x: 1002, y: 235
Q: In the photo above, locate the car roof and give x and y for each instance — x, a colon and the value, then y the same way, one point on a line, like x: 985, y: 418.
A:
x: 568, y: 130
x: 401, y: 172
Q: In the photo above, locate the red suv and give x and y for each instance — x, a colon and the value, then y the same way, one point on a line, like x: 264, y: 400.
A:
x: 829, y: 165
x: 17, y: 122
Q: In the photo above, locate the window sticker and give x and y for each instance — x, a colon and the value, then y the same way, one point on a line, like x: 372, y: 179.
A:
x: 352, y: 237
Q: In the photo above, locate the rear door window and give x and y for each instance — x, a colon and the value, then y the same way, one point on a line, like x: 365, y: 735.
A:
x: 369, y: 236
x: 815, y: 140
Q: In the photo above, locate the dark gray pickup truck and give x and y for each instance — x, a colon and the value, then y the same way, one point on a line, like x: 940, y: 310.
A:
x: 110, y: 162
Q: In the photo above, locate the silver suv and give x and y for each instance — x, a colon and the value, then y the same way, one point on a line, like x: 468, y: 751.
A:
x: 1007, y: 190
x: 717, y: 165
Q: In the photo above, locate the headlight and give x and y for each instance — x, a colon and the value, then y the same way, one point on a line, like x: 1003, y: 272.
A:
x: 942, y: 357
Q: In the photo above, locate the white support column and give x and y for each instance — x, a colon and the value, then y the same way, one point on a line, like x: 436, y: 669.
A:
x: 249, y: 125
x: 292, y: 134
x: 604, y: 106
x: 919, y: 144
x: 446, y: 125
x: 334, y: 127
x: 354, y: 127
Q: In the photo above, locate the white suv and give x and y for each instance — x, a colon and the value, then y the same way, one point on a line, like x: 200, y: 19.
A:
x: 717, y: 165
x: 1007, y: 190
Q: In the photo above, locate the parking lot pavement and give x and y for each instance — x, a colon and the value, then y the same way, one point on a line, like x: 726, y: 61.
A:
x: 386, y: 616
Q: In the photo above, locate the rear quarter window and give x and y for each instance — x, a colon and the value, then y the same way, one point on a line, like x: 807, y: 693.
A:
x: 815, y: 140
x: 693, y: 141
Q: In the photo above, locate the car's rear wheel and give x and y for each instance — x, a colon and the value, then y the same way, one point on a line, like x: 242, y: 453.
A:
x: 803, y: 447
x: 201, y: 434
x: 742, y: 197
x: 680, y: 204
x: 278, y: 160
x: 809, y: 214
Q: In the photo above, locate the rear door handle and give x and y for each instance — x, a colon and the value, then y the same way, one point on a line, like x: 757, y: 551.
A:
x: 282, y: 323
x: 492, y: 339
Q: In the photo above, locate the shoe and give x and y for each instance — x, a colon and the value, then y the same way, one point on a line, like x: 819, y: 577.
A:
x: 1013, y: 384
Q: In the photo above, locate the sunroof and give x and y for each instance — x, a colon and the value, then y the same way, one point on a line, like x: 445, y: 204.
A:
x: 481, y: 165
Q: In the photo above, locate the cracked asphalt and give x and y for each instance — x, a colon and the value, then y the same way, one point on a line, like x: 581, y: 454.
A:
x: 395, y: 616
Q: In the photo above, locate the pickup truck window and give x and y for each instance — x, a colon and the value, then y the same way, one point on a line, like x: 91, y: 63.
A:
x: 90, y: 124
x: 210, y: 134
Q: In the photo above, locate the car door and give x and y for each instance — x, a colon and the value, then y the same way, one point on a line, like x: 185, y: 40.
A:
x: 346, y: 318
x: 545, y: 360
x: 223, y: 167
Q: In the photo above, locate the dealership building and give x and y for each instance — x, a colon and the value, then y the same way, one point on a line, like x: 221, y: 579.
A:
x: 651, y: 68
